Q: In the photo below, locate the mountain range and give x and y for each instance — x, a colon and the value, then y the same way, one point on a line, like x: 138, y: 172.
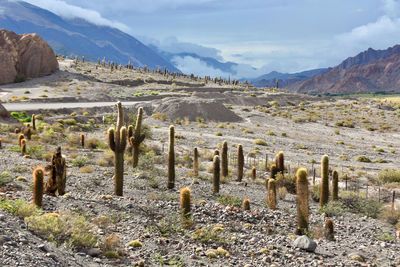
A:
x: 78, y: 37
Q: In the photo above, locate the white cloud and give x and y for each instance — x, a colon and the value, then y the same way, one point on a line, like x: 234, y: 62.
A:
x: 193, y: 65
x: 68, y: 11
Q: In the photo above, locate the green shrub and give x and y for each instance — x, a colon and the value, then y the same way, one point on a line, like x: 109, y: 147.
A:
x: 20, y: 78
x: 80, y: 161
x: 5, y: 178
x: 386, y: 176
x: 333, y: 208
x: 358, y: 203
x: 288, y: 181
x: 260, y: 142
x: 363, y: 158
x: 315, y: 192
x: 230, y: 200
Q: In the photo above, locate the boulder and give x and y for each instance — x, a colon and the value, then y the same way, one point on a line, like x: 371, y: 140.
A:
x: 26, y: 55
x: 306, y: 243
x: 5, y: 115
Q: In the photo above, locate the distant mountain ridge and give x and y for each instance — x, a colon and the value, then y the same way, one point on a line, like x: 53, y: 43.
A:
x: 78, y: 37
x: 369, y: 71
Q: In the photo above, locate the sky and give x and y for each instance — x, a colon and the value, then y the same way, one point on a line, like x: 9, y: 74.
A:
x: 260, y: 35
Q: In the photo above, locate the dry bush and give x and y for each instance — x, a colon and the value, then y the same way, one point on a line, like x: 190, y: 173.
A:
x: 282, y: 192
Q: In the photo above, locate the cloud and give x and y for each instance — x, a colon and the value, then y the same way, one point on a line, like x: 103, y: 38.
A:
x: 188, y: 65
x: 68, y: 11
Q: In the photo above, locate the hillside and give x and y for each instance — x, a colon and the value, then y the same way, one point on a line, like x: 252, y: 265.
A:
x: 77, y: 37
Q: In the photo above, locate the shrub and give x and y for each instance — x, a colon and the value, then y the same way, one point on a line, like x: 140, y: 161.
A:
x: 390, y: 215
x: 389, y: 176
x: 287, y: 181
x: 363, y: 158
x: 333, y: 208
x: 358, y: 203
x: 260, y: 142
x: 80, y: 161
x: 315, y: 192
x: 282, y: 192
x: 229, y: 200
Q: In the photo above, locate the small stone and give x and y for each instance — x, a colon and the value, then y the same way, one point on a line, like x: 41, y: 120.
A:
x: 94, y: 252
x: 357, y: 257
x: 140, y: 263
x: 117, y: 261
x: 43, y: 248
x: 306, y: 243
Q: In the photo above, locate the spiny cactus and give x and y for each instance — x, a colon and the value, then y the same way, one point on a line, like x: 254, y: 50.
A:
x: 20, y: 137
x: 324, y: 186
x: 83, y: 140
x: 0, y: 143
x: 329, y: 233
x: 117, y: 143
x: 38, y: 175
x: 196, y: 162
x: 224, y: 159
x: 302, y: 200
x: 136, y: 138
x: 16, y: 130
x: 240, y: 162
x: 253, y: 173
x: 23, y: 147
x: 57, y: 175
x: 28, y: 132
x: 171, y: 158
x: 335, y: 186
x: 246, y: 204
x: 272, y: 194
x: 185, y: 202
x: 216, y: 174
x: 33, y: 120
x: 279, y: 162
x: 216, y: 152
x: 274, y: 171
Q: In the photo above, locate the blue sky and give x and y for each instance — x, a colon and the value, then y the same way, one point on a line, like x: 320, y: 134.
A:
x: 282, y: 35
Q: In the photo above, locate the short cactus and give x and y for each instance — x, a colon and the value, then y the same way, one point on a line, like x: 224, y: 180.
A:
x: 253, y: 173
x: 302, y: 200
x: 82, y: 140
x: 224, y: 159
x: 23, y: 147
x: 246, y: 204
x: 20, y: 137
x: 38, y: 176
x: 33, y: 120
x: 216, y: 152
x: 279, y: 162
x: 240, y: 162
x: 216, y: 174
x: 196, y: 162
x: 324, y: 186
x: 272, y: 194
x: 28, y: 132
x: 57, y: 175
x: 171, y: 158
x: 17, y: 130
x: 185, y: 202
x: 335, y: 186
x: 136, y: 138
x: 117, y: 143
x: 329, y: 233
x: 274, y: 171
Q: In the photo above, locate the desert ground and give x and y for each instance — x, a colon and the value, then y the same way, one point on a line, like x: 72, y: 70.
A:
x: 91, y: 226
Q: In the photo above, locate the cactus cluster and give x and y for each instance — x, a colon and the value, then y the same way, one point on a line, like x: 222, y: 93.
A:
x: 135, y: 138
x: 57, y: 175
x: 171, y: 158
x: 117, y: 143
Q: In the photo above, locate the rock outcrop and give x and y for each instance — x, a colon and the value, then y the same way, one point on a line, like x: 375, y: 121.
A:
x: 26, y: 55
x: 4, y: 115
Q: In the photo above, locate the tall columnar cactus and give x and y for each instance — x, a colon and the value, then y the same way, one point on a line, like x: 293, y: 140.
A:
x: 185, y: 202
x: 0, y: 143
x: 274, y: 171
x: 33, y: 120
x: 272, y: 194
x: 246, y: 204
x: 23, y: 147
x: 240, y: 162
x: 38, y: 174
x: 329, y: 233
x: 324, y: 186
x: 279, y: 162
x: 171, y: 158
x: 335, y: 186
x: 136, y: 138
x: 216, y: 174
x: 302, y: 200
x: 253, y: 173
x: 224, y: 159
x: 117, y: 143
x: 58, y: 175
x: 196, y: 162
x: 20, y: 137
x: 83, y: 140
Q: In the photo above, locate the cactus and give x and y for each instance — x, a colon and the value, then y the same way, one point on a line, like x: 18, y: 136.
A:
x: 57, y: 175
x: 274, y: 171
x: 335, y: 186
x: 117, y: 143
x: 196, y: 162
x: 302, y: 200
x: 16, y: 130
x: 329, y: 234
x: 324, y: 186
x: 28, y: 132
x: 171, y: 158
x: 272, y: 194
x: 136, y: 138
x: 38, y: 174
x: 279, y: 162
x: 0, y: 143
x: 216, y: 174
x: 33, y: 120
x: 185, y: 202
x: 20, y: 137
x: 83, y: 140
x: 246, y: 204
x: 216, y: 152
x: 224, y: 159
x: 23, y: 147
x: 253, y: 173
x: 240, y: 162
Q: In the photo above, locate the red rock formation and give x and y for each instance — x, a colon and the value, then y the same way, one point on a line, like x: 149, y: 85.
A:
x: 27, y: 54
